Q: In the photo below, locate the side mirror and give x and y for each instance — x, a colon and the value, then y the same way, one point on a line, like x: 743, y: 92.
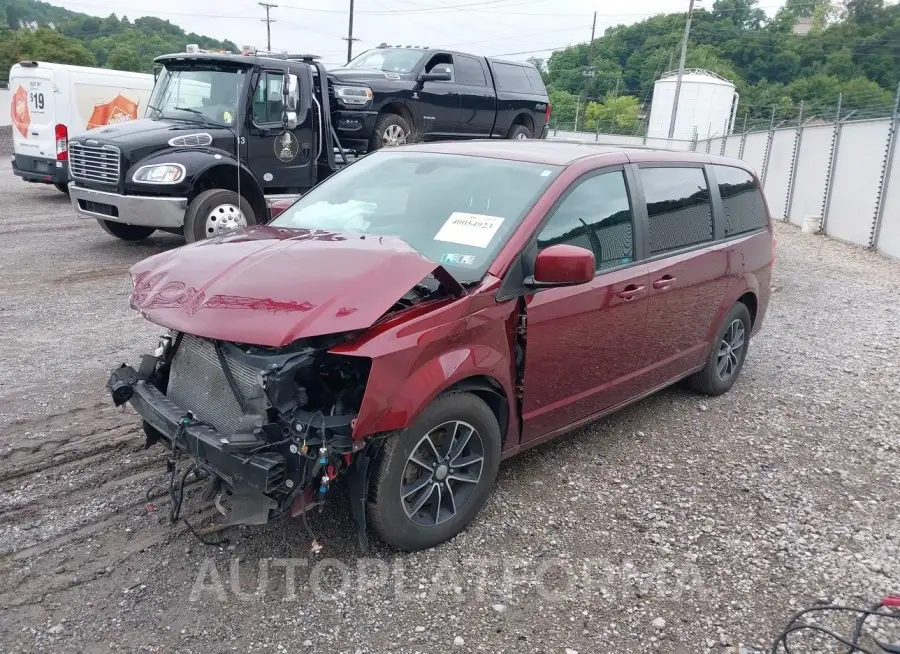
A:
x: 290, y: 89
x: 562, y: 265
x: 289, y: 120
x: 443, y: 76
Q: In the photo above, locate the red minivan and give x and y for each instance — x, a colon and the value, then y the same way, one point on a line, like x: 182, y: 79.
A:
x: 433, y: 309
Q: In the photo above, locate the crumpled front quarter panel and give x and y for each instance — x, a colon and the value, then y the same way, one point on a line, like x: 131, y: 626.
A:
x: 414, y: 361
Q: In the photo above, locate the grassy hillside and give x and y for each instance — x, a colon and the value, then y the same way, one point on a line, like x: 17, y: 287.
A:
x: 30, y: 29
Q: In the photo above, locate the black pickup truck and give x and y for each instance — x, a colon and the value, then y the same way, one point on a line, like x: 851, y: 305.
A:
x: 391, y: 95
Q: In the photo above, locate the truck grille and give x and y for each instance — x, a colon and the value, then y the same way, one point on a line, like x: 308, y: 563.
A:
x: 94, y: 163
x: 198, y: 384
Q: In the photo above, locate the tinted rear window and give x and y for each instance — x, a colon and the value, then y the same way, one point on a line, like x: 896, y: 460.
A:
x: 742, y: 200
x: 513, y: 78
x: 469, y: 71
x: 678, y: 207
x: 536, y: 82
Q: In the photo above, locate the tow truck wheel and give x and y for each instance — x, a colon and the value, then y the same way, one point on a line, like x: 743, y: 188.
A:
x: 430, y: 480
x: 216, y: 212
x: 390, y: 130
x: 125, y: 232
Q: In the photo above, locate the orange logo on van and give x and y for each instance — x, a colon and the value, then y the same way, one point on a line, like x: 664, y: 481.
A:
x: 119, y: 110
x: 18, y: 110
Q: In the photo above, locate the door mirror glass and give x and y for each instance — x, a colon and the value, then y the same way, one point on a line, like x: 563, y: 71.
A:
x: 562, y: 265
x: 291, y: 89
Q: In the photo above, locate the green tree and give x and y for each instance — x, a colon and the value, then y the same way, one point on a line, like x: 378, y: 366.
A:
x: 124, y: 57
x: 13, y: 17
x: 563, y: 106
x: 613, y: 115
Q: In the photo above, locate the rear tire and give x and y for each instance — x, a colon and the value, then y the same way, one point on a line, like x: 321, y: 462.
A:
x: 390, y: 130
x: 392, y: 515
x: 216, y: 212
x: 519, y: 132
x: 725, y: 360
x: 125, y: 232
x: 62, y: 188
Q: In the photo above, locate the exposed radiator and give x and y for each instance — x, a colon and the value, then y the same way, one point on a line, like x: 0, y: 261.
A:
x: 198, y: 384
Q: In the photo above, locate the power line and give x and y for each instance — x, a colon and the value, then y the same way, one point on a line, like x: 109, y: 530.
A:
x: 268, y: 21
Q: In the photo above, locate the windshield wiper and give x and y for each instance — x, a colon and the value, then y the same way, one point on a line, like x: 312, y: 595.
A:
x: 196, y: 112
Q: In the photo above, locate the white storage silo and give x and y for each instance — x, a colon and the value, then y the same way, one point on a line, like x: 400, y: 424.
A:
x: 708, y: 103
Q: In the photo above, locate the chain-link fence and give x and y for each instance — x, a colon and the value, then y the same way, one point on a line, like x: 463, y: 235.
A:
x: 832, y: 168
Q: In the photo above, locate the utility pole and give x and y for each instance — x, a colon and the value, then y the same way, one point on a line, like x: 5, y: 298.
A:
x: 268, y: 21
x: 588, y: 71
x: 687, y: 33
x: 349, y: 38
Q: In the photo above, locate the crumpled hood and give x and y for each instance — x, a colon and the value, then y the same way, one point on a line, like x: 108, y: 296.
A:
x: 270, y: 286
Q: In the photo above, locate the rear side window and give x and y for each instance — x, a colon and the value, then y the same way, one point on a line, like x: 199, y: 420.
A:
x: 511, y: 78
x: 469, y: 71
x: 745, y: 210
x: 596, y: 216
x: 678, y: 207
x: 536, y: 82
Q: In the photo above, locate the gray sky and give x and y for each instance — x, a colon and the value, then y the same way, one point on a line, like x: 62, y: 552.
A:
x: 488, y: 27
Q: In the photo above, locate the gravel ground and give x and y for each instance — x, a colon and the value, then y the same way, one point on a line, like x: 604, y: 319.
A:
x: 682, y: 524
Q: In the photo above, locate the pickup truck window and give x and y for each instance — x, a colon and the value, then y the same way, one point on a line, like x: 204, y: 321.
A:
x: 469, y: 71
x: 456, y: 210
x: 511, y: 78
x: 390, y: 60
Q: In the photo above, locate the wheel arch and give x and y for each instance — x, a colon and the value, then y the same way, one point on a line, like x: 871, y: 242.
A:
x: 400, y: 109
x: 491, y: 392
x: 223, y: 176
x: 525, y: 119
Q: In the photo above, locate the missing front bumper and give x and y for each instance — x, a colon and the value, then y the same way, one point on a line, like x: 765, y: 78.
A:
x: 252, y: 477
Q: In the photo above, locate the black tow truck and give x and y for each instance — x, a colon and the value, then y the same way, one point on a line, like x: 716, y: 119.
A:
x: 223, y: 137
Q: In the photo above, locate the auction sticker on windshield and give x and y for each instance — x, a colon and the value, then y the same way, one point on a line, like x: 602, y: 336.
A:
x: 473, y: 229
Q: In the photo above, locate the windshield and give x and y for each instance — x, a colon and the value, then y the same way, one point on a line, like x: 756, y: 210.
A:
x: 390, y: 60
x: 197, y: 94
x: 456, y: 210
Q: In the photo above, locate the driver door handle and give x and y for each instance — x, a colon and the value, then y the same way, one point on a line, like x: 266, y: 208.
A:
x: 630, y: 292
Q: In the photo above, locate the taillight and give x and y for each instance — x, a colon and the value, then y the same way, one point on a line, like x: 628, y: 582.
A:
x: 547, y: 114
x: 62, y: 143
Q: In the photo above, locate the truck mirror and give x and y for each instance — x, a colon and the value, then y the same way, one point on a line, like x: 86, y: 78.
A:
x: 442, y: 76
x: 289, y: 120
x: 291, y: 89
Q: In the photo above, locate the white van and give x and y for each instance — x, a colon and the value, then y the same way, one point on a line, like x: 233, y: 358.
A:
x: 51, y: 102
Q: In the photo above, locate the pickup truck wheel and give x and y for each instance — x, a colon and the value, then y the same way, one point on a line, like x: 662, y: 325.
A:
x: 125, y: 232
x: 431, y: 479
x: 216, y: 212
x: 519, y: 132
x: 390, y: 130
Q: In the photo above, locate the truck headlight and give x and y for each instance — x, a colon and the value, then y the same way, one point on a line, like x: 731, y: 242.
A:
x: 357, y: 96
x: 168, y: 173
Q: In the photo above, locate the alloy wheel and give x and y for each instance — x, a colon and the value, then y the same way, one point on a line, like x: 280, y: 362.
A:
x: 730, y: 349
x: 393, y: 135
x: 442, y: 473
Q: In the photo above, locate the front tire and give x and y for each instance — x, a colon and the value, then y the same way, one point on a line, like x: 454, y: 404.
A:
x: 390, y: 130
x: 125, y: 232
x: 216, y: 212
x: 727, y: 355
x: 431, y: 479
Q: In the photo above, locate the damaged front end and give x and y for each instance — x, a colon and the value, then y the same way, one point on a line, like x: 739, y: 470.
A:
x: 271, y: 427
